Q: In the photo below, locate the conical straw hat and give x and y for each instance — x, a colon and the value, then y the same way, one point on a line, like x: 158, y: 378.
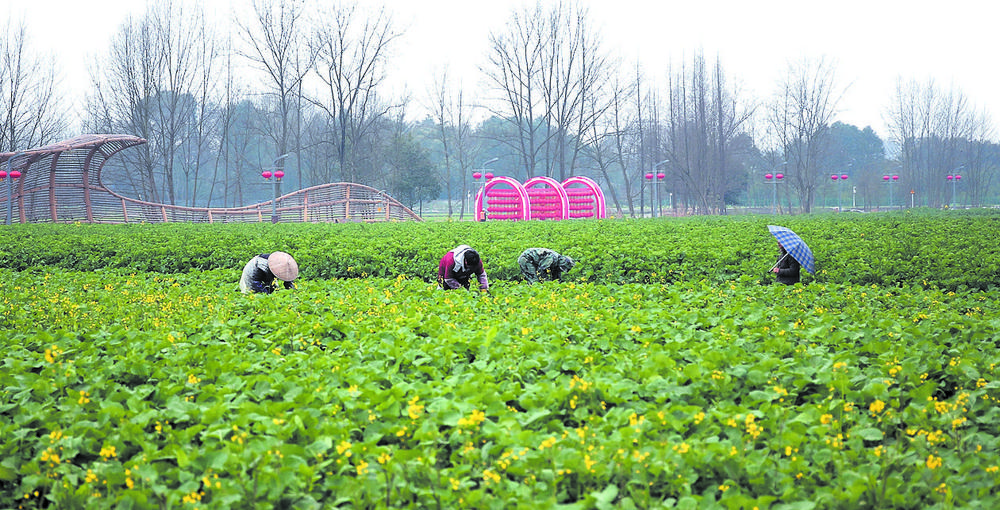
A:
x: 283, y: 266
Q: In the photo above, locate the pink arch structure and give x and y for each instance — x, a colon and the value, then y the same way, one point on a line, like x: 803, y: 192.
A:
x: 503, y: 203
x: 548, y: 199
x: 540, y: 198
x: 586, y: 201
x: 62, y: 183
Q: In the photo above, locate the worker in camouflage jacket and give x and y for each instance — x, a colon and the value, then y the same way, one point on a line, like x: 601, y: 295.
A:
x: 539, y: 264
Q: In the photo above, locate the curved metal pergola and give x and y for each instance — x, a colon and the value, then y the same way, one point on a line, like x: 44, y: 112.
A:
x: 61, y: 183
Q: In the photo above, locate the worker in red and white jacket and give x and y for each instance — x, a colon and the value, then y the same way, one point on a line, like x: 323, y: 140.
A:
x: 457, y: 268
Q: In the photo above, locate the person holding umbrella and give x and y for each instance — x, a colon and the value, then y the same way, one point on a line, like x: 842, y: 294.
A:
x: 787, y: 268
x: 458, y: 266
x: 793, y: 253
x: 259, y: 274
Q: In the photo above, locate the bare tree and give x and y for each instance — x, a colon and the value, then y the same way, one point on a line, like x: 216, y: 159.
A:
x: 451, y: 114
x: 227, y: 159
x: 549, y: 68
x: 938, y: 133
x: 124, y: 91
x: 575, y: 70
x: 149, y: 86
x: 279, y: 49
x: 606, y: 142
x: 203, y: 138
x: 352, y: 47
x: 187, y: 55
x: 515, y: 65
x: 31, y: 113
x: 800, y: 118
x: 706, y: 116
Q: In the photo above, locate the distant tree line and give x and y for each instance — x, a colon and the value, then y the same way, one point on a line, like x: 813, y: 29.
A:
x: 302, y: 87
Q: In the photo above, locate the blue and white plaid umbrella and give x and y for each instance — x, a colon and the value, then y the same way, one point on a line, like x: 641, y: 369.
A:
x: 795, y: 246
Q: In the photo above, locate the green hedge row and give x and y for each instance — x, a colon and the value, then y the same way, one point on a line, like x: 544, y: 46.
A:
x: 950, y: 250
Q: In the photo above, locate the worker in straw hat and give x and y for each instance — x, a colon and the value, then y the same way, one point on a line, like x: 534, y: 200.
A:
x: 259, y: 274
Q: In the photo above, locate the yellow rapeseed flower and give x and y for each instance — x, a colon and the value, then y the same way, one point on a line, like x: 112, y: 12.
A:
x: 473, y: 420
x: 876, y: 407
x: 933, y: 461
x: 344, y: 446
x: 490, y: 477
x: 50, y: 455
x: 414, y: 410
x: 108, y: 452
x: 52, y: 353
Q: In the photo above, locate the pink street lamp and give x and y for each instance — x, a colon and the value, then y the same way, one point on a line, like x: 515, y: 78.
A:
x: 659, y: 199
x: 655, y: 192
x: 652, y: 207
x: 953, y: 179
x: 486, y: 176
x: 840, y: 191
x: 472, y: 198
x: 278, y: 174
x: 890, y: 179
x: 775, y: 179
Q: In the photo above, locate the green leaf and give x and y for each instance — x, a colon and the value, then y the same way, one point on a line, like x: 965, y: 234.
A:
x: 869, y: 434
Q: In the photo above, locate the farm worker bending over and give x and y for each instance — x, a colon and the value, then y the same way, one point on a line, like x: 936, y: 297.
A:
x: 260, y: 272
x: 457, y: 267
x: 539, y: 264
x: 787, y: 267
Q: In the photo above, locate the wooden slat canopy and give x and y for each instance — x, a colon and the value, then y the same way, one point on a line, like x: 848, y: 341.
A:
x: 61, y: 183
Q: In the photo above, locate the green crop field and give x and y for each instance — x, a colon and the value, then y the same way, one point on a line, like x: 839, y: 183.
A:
x: 664, y: 371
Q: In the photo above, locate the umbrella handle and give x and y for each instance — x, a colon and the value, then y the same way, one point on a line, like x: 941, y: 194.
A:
x: 778, y: 262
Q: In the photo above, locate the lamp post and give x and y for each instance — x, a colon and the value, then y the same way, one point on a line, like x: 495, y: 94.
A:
x: 775, y: 179
x: 840, y: 190
x: 476, y: 176
x: 953, y: 179
x: 278, y: 175
x: 486, y: 177
x: 655, y: 194
x: 890, y: 179
x: 649, y: 179
x: 13, y: 174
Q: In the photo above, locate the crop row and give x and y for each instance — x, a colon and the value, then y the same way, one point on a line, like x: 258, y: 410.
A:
x: 158, y: 390
x: 951, y: 250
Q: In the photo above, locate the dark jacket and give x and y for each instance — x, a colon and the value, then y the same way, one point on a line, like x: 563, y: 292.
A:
x: 257, y: 276
x: 788, y: 268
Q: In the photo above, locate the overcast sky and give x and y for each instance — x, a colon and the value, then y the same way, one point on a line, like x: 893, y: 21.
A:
x: 871, y: 42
